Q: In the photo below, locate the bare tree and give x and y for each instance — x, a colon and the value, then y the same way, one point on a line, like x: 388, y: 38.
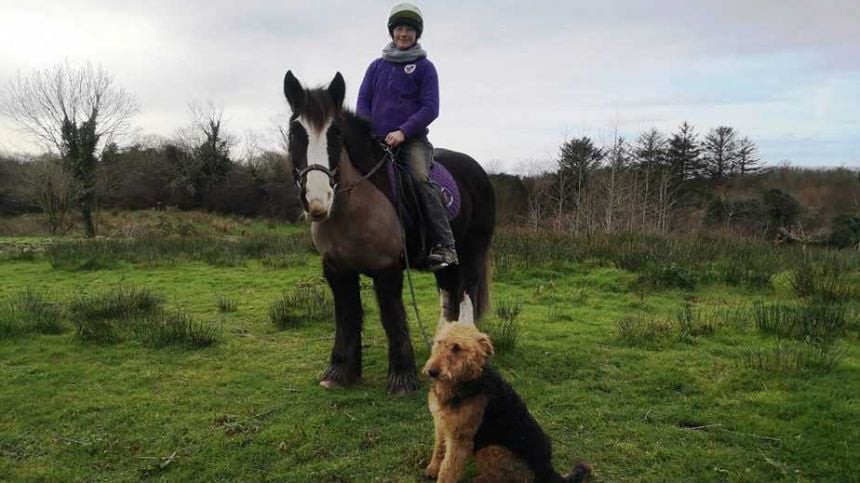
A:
x: 52, y: 189
x: 200, y: 155
x: 651, y: 156
x: 75, y: 111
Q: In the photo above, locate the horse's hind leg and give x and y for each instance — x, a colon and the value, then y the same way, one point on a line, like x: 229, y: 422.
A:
x: 450, y: 285
x: 402, y: 374
x: 345, y: 365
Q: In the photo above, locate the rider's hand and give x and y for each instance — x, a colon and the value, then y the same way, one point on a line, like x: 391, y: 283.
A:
x: 394, y: 138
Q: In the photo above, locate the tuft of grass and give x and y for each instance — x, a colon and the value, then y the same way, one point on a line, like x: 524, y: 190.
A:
x: 122, y: 302
x: 667, y: 275
x: 225, y: 304
x: 102, y: 317
x: 691, y: 324
x: 816, y: 322
x: 80, y: 255
x: 29, y: 313
x: 823, y: 276
x: 644, y: 331
x: 308, y: 302
x: 504, y: 331
x: 796, y: 358
x: 163, y: 329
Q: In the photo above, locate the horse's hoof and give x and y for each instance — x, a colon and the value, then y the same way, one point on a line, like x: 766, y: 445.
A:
x: 403, y: 384
x: 329, y: 384
x: 336, y: 376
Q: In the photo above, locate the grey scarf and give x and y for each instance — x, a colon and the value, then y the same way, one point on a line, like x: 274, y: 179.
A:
x: 393, y: 54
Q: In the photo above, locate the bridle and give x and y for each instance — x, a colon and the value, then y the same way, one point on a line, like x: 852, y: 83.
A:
x: 300, y: 175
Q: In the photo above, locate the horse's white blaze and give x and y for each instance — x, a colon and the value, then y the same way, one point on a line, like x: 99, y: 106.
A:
x: 444, y: 300
x: 467, y: 313
x: 318, y: 192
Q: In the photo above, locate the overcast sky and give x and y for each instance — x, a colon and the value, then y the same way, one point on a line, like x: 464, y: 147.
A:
x: 516, y: 78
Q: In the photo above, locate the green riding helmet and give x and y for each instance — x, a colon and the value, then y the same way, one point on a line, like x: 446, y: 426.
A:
x: 405, y: 14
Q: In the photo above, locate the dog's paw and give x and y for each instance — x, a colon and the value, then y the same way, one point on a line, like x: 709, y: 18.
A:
x: 432, y: 471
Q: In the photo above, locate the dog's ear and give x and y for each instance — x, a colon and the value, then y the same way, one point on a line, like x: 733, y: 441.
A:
x: 486, y: 344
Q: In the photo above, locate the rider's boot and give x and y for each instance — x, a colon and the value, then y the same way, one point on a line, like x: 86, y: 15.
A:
x: 443, y: 253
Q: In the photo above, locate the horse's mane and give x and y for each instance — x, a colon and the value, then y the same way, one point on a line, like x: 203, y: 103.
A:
x: 358, y: 139
x: 357, y: 131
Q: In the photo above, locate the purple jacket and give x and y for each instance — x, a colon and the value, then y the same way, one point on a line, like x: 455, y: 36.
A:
x: 399, y: 96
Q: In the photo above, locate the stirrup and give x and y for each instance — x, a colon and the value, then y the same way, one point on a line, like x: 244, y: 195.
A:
x: 441, y: 257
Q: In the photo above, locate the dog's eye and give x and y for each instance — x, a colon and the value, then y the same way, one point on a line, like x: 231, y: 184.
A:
x: 455, y: 348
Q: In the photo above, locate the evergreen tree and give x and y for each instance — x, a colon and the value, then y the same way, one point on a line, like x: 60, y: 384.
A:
x: 650, y: 151
x: 683, y: 155
x: 720, y: 152
x: 747, y: 160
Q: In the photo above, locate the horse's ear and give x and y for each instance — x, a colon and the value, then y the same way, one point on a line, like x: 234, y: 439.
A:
x: 294, y: 91
x: 337, y: 90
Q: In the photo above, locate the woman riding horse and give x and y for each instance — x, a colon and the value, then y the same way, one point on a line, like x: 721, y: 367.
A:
x: 400, y: 96
x: 356, y: 227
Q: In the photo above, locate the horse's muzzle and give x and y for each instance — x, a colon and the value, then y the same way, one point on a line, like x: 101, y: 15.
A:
x: 317, y: 211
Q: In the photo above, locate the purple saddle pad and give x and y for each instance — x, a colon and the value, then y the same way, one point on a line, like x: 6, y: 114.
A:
x: 447, y: 185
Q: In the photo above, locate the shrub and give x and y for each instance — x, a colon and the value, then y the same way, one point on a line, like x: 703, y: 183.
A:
x: 845, y: 231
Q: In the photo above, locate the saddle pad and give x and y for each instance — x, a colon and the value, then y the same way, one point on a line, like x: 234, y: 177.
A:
x: 447, y: 185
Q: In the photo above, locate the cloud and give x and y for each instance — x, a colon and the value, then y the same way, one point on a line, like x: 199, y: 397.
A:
x: 516, y: 77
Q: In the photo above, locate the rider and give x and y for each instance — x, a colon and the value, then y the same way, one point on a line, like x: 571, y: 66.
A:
x: 400, y: 95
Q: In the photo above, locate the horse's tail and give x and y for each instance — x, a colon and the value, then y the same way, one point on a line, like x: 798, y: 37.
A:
x: 482, y: 292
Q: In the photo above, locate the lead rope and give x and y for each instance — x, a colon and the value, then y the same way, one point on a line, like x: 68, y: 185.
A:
x: 398, y: 179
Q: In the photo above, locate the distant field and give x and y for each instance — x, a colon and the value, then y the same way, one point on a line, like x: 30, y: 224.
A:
x: 188, y: 349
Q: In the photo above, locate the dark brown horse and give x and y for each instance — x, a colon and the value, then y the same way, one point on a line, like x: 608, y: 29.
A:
x: 357, y: 230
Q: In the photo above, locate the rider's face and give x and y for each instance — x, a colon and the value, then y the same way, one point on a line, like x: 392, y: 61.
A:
x: 404, y: 37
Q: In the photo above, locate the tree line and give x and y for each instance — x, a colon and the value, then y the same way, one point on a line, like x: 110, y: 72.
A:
x: 657, y: 182
x: 78, y: 113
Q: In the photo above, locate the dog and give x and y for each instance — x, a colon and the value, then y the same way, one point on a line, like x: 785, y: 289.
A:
x: 477, y: 413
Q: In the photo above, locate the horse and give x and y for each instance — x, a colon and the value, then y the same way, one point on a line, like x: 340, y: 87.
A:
x: 355, y: 227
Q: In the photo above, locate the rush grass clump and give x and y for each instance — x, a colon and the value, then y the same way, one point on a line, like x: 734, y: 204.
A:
x: 504, y: 330
x: 29, y: 312
x: 308, y: 302
x: 225, y: 304
x: 796, y: 358
x: 79, y: 255
x: 104, y: 317
x: 638, y: 330
x: 824, y: 276
x: 816, y: 322
x: 165, y: 328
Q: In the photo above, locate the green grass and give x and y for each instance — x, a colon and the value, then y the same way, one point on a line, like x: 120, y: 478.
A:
x: 716, y: 399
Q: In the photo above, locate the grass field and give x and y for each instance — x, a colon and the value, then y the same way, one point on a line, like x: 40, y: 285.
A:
x: 194, y: 356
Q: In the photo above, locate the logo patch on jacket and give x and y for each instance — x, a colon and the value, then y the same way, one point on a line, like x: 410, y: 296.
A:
x: 409, y: 68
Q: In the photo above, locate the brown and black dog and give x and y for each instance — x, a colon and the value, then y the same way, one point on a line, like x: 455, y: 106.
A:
x: 475, y: 412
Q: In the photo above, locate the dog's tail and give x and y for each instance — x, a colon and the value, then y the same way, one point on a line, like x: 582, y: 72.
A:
x: 580, y: 473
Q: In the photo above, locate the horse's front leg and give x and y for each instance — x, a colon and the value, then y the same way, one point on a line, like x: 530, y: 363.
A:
x: 402, y: 374
x: 345, y: 366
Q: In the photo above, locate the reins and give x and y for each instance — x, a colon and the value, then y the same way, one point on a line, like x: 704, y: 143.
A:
x: 387, y: 157
x: 392, y: 156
